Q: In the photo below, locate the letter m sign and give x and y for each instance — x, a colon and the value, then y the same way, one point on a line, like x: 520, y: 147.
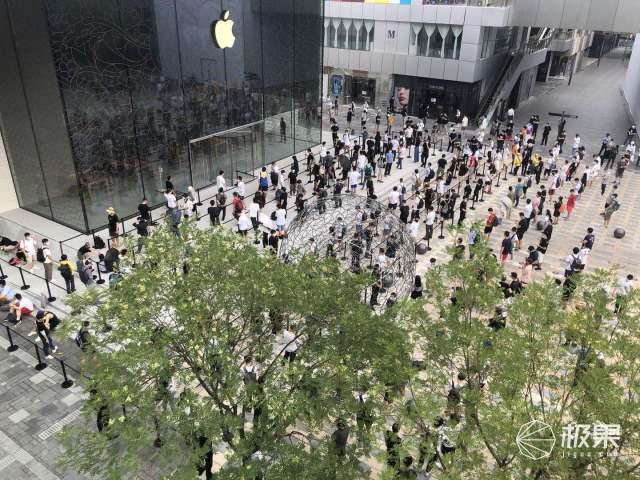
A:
x: 391, y: 34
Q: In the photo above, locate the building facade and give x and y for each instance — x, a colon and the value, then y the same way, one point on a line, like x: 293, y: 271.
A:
x: 427, y: 56
x: 101, y: 101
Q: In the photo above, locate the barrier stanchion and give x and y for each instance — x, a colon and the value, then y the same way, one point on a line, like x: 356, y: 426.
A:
x: 100, y: 280
x: 41, y: 365
x: 12, y: 346
x: 67, y: 381
x: 2, y: 275
x: 24, y: 284
x: 50, y: 298
x: 441, y: 236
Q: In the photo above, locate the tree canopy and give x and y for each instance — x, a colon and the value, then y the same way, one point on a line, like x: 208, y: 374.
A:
x: 172, y: 338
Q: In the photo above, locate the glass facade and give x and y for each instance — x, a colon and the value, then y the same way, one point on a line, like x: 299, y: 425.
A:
x: 105, y: 99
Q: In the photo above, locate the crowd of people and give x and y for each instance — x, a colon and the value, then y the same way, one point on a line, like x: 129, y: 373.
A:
x: 541, y: 186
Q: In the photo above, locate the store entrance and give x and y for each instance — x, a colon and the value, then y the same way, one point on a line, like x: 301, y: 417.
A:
x: 361, y: 89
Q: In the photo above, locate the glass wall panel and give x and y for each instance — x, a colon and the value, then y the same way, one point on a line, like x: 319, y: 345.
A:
x: 109, y: 95
x: 307, y: 61
x: 15, y: 121
x: 277, y: 27
x: 155, y: 93
x: 47, y: 114
x: 244, y: 63
x: 91, y: 52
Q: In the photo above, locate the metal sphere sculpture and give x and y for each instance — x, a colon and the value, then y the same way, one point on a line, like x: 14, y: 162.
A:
x: 353, y: 229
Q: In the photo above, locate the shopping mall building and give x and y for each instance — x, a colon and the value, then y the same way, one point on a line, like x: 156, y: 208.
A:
x: 101, y: 100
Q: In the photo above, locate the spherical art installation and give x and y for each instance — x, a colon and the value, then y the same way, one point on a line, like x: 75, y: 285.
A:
x: 354, y: 230
x: 619, y: 233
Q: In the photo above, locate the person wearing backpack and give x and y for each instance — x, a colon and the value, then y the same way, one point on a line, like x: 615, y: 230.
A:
x: 506, y: 248
x: 589, y: 239
x: 66, y: 269
x: 83, y: 337
x: 44, y: 326
x: 572, y: 263
x: 44, y: 256
x: 490, y: 222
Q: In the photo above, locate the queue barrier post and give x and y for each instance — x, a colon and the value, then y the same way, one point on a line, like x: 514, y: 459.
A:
x: 40, y: 365
x: 100, y: 280
x: 67, y: 381
x: 441, y: 236
x: 50, y: 298
x: 24, y: 284
x: 12, y: 346
x: 2, y: 275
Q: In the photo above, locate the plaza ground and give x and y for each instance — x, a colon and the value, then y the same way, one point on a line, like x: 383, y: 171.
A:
x: 35, y: 405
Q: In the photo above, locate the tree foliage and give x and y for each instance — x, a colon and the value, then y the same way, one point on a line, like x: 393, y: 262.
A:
x: 561, y: 362
x: 165, y: 362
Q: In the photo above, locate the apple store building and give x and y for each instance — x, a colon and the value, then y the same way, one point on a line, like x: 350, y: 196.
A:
x: 101, y: 100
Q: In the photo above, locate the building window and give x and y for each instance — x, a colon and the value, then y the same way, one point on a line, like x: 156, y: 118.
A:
x: 439, y: 41
x: 349, y: 34
x: 342, y: 36
x: 435, y: 44
x: 353, y: 34
x: 331, y: 36
x: 363, y: 38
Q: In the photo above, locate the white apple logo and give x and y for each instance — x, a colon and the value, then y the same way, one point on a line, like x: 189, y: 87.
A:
x: 223, y: 31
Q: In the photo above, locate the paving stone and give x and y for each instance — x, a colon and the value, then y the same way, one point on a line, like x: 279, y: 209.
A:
x: 19, y: 415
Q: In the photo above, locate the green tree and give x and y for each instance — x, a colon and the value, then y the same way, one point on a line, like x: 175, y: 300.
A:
x: 561, y: 362
x: 171, y: 338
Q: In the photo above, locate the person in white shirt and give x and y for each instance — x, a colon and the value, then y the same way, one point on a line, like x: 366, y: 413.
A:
x: 394, y: 198
x: 254, y: 212
x: 382, y: 260
x: 244, y: 223
x: 281, y: 219
x: 430, y: 222
x: 242, y: 189
x: 414, y: 227
x: 354, y: 179
x: 48, y: 260
x: 289, y: 343
x: 511, y: 113
x: 172, y: 202
x: 186, y: 206
x: 21, y: 306
x: 323, y: 150
x: 361, y: 163
x: 631, y: 150
x: 576, y: 144
x: 29, y: 247
x: 624, y: 289
x: 220, y: 181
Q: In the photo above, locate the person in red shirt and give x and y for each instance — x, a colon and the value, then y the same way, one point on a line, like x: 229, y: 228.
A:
x: 238, y: 205
x: 490, y: 222
x: 571, y: 202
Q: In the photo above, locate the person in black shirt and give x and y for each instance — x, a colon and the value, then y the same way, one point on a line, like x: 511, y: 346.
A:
x: 463, y: 211
x: 273, y: 241
x: 339, y: 437
x: 404, y: 212
x: 144, y: 210
x: 516, y: 285
x: 214, y: 213
x: 142, y: 228
x: 393, y: 441
x: 293, y: 179
x: 168, y: 184
x: 114, y: 225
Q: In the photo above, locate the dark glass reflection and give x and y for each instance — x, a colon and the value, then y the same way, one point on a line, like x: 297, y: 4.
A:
x: 131, y: 85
